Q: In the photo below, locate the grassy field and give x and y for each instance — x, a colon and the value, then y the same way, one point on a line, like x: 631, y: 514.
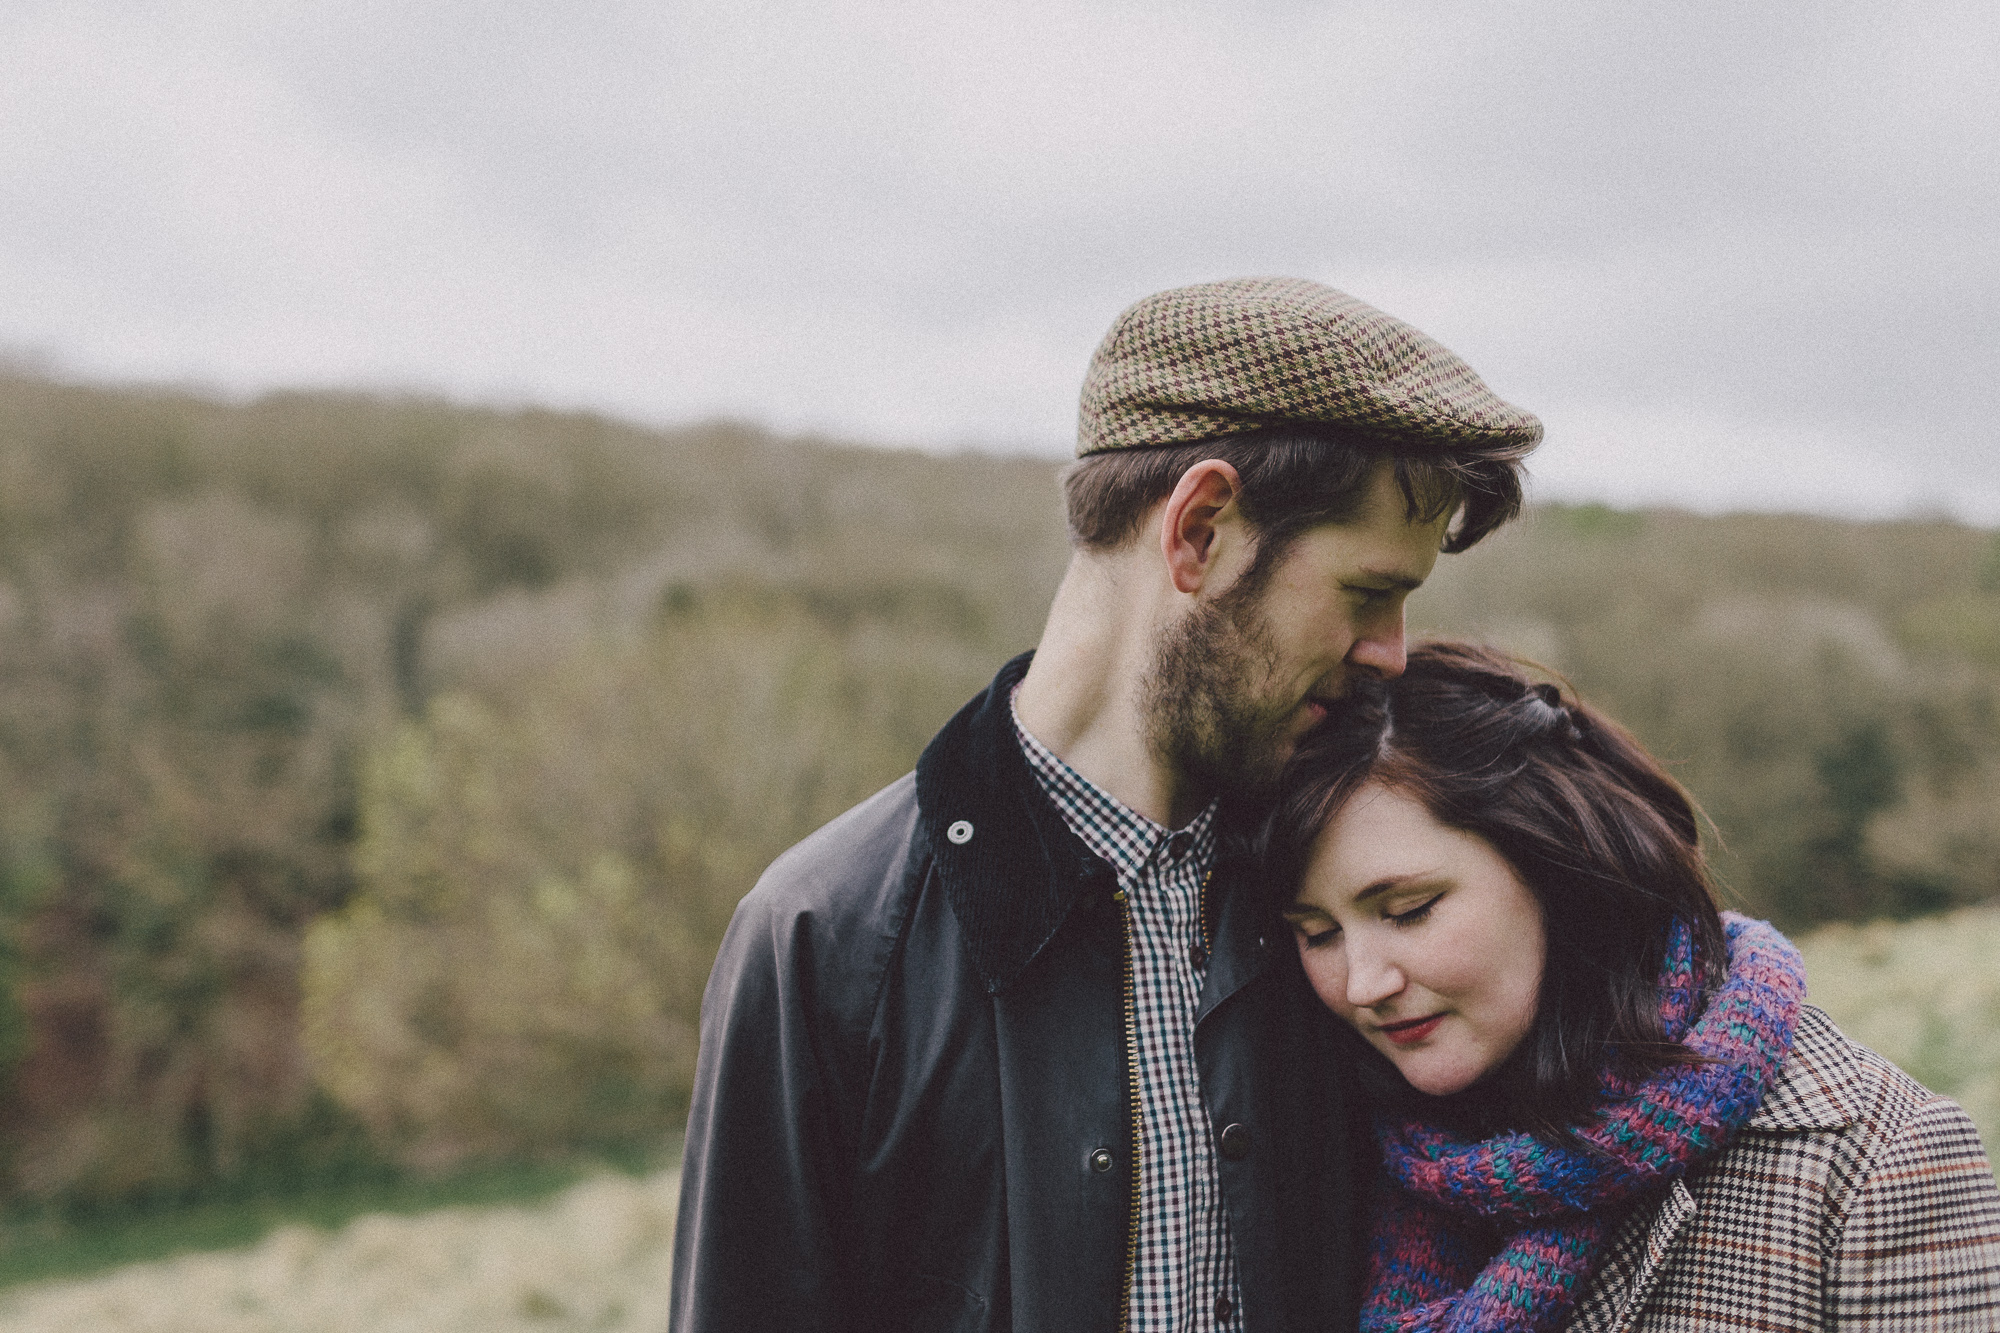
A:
x: 1925, y: 993
x: 38, y: 1248
x: 597, y: 1255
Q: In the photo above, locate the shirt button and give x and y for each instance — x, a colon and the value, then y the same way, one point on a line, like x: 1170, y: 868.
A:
x: 1100, y: 1160
x: 1177, y: 846
x: 1235, y: 1143
x: 1223, y: 1309
x: 1197, y: 955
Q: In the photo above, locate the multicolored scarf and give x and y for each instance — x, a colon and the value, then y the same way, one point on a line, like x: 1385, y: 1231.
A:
x: 1551, y: 1207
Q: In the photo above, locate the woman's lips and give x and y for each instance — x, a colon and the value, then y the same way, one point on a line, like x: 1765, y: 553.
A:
x: 1412, y: 1032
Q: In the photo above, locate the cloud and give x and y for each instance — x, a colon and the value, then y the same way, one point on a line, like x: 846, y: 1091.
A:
x: 911, y: 221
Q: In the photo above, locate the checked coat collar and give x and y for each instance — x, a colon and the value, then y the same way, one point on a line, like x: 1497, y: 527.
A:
x: 1813, y: 1092
x: 1855, y: 1198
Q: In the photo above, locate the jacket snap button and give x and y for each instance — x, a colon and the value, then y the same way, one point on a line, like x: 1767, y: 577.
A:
x: 1100, y: 1160
x: 960, y: 833
x: 1235, y: 1143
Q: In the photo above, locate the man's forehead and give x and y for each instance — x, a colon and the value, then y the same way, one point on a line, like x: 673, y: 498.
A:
x: 1384, y: 522
x: 1392, y: 560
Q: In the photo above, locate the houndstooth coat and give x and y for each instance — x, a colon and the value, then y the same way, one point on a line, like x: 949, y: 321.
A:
x: 1854, y: 1199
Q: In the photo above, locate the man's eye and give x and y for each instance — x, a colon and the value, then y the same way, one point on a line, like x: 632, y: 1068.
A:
x: 1417, y: 913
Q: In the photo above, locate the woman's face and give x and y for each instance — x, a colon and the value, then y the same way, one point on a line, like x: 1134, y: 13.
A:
x: 1422, y: 937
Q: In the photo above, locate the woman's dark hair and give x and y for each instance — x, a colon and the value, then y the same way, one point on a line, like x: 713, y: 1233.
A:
x: 1606, y: 842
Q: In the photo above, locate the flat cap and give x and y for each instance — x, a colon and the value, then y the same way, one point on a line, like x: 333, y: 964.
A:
x: 1222, y: 358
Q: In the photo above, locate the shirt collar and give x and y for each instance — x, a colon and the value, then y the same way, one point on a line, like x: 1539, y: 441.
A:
x: 1111, y: 829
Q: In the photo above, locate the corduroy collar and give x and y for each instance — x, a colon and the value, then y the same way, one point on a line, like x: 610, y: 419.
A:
x: 1010, y: 866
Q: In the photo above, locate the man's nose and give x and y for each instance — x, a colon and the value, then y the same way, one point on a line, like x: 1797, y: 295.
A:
x: 1380, y: 647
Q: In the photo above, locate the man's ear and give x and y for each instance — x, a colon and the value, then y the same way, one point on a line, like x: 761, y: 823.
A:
x: 1204, y: 500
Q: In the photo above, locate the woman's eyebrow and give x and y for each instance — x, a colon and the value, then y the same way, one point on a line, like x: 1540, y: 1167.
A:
x: 1383, y: 885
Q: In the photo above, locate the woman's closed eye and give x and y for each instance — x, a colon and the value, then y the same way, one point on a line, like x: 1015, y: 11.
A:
x: 1313, y: 934
x: 1415, y: 914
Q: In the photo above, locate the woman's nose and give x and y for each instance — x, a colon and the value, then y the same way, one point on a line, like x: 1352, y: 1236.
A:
x: 1371, y: 978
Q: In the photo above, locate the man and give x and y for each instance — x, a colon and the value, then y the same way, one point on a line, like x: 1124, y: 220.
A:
x: 1012, y: 1045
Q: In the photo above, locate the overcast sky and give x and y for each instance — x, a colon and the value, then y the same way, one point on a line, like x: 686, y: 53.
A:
x: 1737, y: 255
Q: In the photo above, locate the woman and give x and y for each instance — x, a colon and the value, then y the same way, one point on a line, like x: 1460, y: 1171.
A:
x: 1601, y: 1104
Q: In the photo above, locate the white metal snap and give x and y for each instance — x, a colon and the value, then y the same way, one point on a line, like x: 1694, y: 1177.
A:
x: 960, y: 833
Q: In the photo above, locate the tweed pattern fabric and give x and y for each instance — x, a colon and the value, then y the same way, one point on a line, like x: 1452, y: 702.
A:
x: 1221, y: 358
x: 1549, y: 1208
x: 1855, y: 1199
x: 1184, y: 1272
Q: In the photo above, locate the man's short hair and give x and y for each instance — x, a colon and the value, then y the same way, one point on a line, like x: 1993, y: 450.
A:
x: 1295, y: 479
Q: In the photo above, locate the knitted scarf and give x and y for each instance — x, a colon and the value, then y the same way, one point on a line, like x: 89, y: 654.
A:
x: 1550, y: 1207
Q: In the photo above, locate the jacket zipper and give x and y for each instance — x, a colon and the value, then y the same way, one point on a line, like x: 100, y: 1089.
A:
x: 1132, y: 1078
x: 1137, y: 1114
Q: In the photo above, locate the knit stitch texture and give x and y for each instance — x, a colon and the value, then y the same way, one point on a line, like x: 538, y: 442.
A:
x: 1500, y: 1233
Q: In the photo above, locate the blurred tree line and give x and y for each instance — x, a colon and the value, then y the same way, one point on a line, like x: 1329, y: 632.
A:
x: 376, y: 777
x: 1829, y: 691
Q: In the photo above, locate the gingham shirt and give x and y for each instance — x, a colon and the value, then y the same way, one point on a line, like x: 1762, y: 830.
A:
x: 1184, y: 1277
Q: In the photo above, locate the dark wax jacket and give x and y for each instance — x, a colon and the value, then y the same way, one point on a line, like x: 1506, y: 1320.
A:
x: 914, y: 1106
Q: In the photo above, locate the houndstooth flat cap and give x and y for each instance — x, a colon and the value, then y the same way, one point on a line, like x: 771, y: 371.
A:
x: 1222, y: 358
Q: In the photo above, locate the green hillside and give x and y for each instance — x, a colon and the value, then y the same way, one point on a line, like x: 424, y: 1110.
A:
x: 376, y: 776
x: 1830, y: 691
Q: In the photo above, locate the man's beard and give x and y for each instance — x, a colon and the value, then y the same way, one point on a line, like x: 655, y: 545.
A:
x: 1202, y: 705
